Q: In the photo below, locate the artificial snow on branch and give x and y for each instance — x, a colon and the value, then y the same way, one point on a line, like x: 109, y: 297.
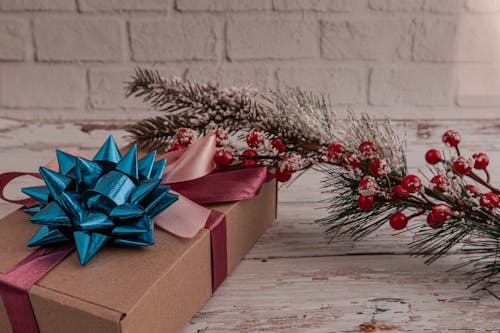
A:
x: 363, y: 162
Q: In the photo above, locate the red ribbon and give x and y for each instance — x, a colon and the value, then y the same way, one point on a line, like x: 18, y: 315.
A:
x: 7, y: 177
x: 15, y: 284
x: 224, y: 186
x: 218, y: 242
x: 231, y: 185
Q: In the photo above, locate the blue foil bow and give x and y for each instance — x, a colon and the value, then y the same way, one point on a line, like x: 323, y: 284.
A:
x: 91, y: 203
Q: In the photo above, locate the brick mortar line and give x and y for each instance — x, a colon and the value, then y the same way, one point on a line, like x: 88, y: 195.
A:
x: 161, y: 14
x: 307, y: 62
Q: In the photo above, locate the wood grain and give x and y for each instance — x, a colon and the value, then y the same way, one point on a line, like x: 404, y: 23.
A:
x: 338, y: 294
x: 293, y: 280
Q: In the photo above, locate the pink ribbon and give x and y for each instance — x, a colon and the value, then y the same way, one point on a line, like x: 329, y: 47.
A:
x: 186, y: 218
x: 190, y: 173
x: 190, y: 163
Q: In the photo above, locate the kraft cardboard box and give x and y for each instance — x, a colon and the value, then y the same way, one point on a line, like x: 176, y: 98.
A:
x: 153, y: 289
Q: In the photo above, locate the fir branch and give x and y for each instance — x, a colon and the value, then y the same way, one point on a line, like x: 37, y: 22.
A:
x: 307, y: 125
x: 304, y: 122
x: 475, y: 227
x: 199, y: 106
x: 345, y: 219
x: 300, y: 117
x: 157, y: 132
x: 344, y: 216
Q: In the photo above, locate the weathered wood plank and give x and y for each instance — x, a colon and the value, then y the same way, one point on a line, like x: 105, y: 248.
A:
x: 338, y: 294
x: 294, y: 234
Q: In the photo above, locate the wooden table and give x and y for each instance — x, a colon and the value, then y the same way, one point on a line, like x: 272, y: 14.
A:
x: 293, y: 281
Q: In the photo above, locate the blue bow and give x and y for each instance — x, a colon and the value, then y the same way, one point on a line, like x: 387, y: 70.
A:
x: 91, y: 203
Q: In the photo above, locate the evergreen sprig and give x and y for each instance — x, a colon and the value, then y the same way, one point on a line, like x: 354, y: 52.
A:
x: 345, y: 218
x: 199, y: 106
x: 307, y: 125
x: 207, y: 106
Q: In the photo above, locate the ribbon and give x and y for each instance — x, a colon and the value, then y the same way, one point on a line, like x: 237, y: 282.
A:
x: 216, y: 223
x: 190, y: 172
x: 228, y: 186
x: 15, y: 284
x: 7, y: 177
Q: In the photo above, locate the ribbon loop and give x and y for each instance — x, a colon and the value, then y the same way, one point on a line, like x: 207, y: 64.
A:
x: 7, y: 177
x: 191, y: 163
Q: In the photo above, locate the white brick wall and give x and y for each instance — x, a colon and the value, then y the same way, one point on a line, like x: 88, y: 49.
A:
x: 68, y: 59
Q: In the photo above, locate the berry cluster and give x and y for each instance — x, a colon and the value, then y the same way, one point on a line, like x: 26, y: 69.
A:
x: 258, y: 150
x: 378, y: 186
x: 464, y: 167
x: 183, y: 138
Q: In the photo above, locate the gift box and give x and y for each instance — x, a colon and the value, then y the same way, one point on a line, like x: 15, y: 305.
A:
x: 152, y: 289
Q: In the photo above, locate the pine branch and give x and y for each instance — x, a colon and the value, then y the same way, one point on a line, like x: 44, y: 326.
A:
x: 307, y: 125
x: 345, y: 219
x: 301, y: 120
x: 156, y: 133
x: 299, y: 116
x: 198, y: 106
x: 476, y: 227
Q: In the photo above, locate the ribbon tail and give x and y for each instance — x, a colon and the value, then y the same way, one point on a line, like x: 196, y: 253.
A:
x: 15, y: 283
x: 218, y: 235
x: 183, y: 219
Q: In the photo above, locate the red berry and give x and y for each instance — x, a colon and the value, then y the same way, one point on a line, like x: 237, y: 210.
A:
x: 223, y: 158
x: 335, y: 152
x: 367, y: 150
x: 185, y: 136
x: 440, y: 213
x: 441, y: 183
x: 290, y: 164
x: 432, y: 223
x: 368, y: 186
x: 255, y: 139
x: 249, y: 153
x: 411, y: 183
x: 433, y: 156
x: 471, y: 189
x: 489, y: 200
x: 398, y: 221
x: 462, y: 165
x: 278, y: 145
x: 221, y: 137
x: 366, y: 202
x: 175, y: 146
x: 351, y: 162
x: 399, y: 191
x: 481, y: 160
x: 282, y: 176
x: 451, y: 138
x: 379, y: 167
